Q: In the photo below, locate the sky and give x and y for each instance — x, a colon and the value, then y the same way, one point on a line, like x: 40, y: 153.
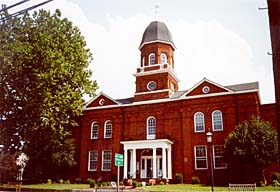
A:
x: 225, y: 41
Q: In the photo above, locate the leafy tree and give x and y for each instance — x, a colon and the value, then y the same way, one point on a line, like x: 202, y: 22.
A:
x: 43, y: 77
x: 249, y: 148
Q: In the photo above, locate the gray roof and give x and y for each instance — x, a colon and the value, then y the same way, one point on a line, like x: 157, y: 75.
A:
x: 244, y: 86
x: 157, y: 31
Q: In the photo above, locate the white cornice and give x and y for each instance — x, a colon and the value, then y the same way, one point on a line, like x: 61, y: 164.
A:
x: 151, y: 92
x: 165, y: 70
x: 157, y: 41
x: 172, y: 100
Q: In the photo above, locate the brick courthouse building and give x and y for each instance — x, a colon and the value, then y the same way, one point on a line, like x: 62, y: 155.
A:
x: 161, y: 130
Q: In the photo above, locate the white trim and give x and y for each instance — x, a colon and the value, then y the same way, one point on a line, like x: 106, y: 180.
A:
x: 91, y: 136
x: 208, y: 81
x: 214, y: 158
x: 107, y: 161
x: 157, y: 41
x: 105, y: 129
x: 169, y: 70
x: 194, y: 118
x: 195, y: 162
x: 171, y: 100
x: 149, y: 57
x: 217, y: 110
x: 145, y: 144
x: 89, y: 160
x: 97, y: 96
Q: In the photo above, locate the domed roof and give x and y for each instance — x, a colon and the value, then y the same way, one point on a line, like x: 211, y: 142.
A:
x: 157, y: 32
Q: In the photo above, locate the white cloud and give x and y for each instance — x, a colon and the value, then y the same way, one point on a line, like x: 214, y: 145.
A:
x: 204, y: 49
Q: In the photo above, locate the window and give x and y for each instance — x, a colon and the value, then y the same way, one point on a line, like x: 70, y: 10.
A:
x: 108, y: 129
x: 106, y: 160
x: 152, y: 59
x: 217, y: 120
x: 200, y: 157
x: 143, y: 62
x: 92, y: 160
x: 218, y: 153
x: 94, y: 130
x: 163, y: 58
x: 199, y: 122
x: 151, y: 128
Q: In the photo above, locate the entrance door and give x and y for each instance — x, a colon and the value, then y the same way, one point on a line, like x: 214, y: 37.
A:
x: 146, y: 167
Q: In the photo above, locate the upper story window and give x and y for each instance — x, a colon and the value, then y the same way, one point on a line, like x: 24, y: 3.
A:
x: 94, y: 130
x: 163, y: 58
x: 92, y: 160
x: 152, y: 59
x: 143, y: 62
x: 106, y: 160
x: 200, y: 155
x: 108, y: 127
x: 218, y: 154
x: 199, y: 125
x: 151, y: 128
x: 217, y: 120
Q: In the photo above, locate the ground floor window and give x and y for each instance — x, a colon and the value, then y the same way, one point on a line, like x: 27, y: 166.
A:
x: 92, y: 160
x: 106, y: 160
x: 219, y: 162
x: 200, y: 157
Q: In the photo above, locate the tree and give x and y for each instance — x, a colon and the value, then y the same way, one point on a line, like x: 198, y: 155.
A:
x: 43, y: 77
x: 250, y: 147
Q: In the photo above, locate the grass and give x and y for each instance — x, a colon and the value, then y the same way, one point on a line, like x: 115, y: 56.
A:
x: 56, y: 186
x: 189, y: 187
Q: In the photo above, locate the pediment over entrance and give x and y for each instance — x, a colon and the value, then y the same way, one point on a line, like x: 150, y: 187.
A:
x: 147, y: 144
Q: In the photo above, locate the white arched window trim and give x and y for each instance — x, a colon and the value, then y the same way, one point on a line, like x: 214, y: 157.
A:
x: 108, y: 129
x: 151, y: 127
x: 94, y: 130
x: 152, y: 59
x: 163, y: 58
x: 217, y: 120
x: 199, y: 123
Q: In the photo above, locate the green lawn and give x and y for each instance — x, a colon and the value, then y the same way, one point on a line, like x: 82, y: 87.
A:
x: 56, y: 186
x: 189, y: 187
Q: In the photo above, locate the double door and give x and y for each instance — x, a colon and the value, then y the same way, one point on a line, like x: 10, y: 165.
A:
x: 147, y: 167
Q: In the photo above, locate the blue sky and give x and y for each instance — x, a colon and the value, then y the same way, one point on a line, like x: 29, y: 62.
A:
x: 225, y: 41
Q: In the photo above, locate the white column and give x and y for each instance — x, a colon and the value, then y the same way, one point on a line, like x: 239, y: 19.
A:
x: 163, y: 163
x: 154, y: 163
x: 125, y: 164
x: 133, y: 163
x: 169, y: 164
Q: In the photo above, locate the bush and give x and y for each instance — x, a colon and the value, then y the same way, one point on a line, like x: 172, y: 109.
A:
x: 60, y: 181
x: 276, y: 176
x: 161, y: 183
x: 67, y: 181
x: 91, y: 182
x: 179, y: 178
x: 195, y: 180
x: 49, y: 181
x: 78, y: 180
x: 136, y: 184
x: 275, y: 183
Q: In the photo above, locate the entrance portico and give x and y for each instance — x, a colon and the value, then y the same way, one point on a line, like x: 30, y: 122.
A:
x: 154, y: 165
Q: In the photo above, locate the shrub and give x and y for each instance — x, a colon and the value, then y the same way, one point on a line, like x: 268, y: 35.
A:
x: 121, y: 183
x: 91, y: 182
x: 161, y: 183
x: 179, y: 178
x: 78, y: 180
x: 67, y: 181
x: 49, y: 181
x: 60, y: 181
x: 136, y: 184
x: 276, y: 176
x: 195, y: 180
x: 275, y: 183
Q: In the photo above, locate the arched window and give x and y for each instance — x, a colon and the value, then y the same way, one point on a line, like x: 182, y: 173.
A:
x: 163, y: 58
x: 152, y: 59
x: 143, y: 62
x: 217, y: 120
x: 151, y: 128
x: 94, y: 130
x: 199, y: 125
x: 108, y: 127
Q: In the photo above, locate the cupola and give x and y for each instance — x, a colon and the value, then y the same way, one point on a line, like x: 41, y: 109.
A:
x: 155, y: 77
